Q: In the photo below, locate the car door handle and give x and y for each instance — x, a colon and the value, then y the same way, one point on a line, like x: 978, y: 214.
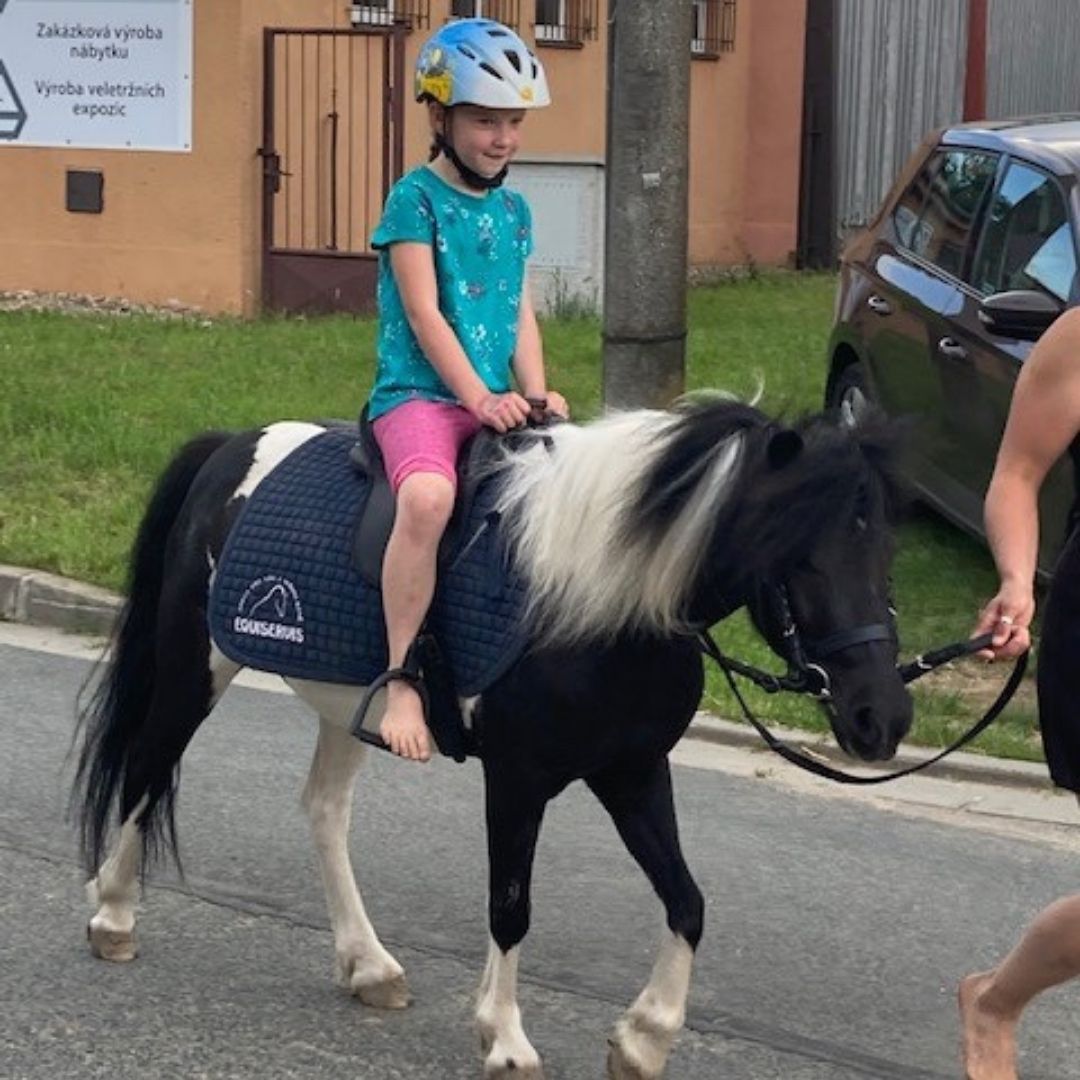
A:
x: 952, y: 349
x: 879, y: 305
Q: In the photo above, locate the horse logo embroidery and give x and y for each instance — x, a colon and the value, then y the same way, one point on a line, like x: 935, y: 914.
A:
x: 270, y: 608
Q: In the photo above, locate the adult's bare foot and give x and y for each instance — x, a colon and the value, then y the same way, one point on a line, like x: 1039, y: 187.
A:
x: 989, y: 1041
x: 403, y: 728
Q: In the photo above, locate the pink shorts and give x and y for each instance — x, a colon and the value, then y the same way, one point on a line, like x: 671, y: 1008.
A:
x: 423, y: 437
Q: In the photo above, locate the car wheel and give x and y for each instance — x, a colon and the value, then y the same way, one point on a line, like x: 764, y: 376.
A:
x: 850, y: 390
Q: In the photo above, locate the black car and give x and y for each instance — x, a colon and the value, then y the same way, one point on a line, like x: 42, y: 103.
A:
x: 971, y: 257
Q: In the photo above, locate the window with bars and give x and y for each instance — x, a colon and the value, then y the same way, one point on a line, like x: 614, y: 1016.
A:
x: 713, y: 28
x: 505, y: 11
x: 414, y: 13
x: 569, y: 21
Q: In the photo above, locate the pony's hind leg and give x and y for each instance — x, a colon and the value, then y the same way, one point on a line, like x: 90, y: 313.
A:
x: 111, y: 930
x: 148, y: 769
x: 641, y: 805
x: 364, y: 965
x: 513, y: 824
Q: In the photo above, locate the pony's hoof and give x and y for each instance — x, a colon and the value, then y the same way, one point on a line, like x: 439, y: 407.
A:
x: 115, y: 945
x: 391, y: 993
x: 510, y: 1069
x: 621, y: 1067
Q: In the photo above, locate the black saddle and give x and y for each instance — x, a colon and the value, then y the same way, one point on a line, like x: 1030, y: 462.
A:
x: 376, y: 517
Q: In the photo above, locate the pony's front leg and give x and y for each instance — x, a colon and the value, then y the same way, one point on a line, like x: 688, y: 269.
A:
x: 641, y: 805
x: 115, y: 890
x: 513, y: 823
x: 363, y: 964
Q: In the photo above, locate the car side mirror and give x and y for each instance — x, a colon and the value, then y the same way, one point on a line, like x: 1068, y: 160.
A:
x: 1020, y: 313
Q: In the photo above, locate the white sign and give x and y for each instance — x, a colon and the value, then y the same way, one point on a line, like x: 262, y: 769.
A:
x: 113, y: 74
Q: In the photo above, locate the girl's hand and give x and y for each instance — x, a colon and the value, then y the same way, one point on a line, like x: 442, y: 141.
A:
x: 556, y: 405
x: 503, y: 412
x: 1008, y: 617
x: 551, y: 405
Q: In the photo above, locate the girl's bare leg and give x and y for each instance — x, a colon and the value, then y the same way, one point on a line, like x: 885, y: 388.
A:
x: 424, y: 505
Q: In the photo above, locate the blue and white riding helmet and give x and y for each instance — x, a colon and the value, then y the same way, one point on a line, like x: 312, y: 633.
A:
x: 480, y: 62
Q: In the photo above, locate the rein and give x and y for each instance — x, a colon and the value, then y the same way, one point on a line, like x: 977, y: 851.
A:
x: 806, y: 677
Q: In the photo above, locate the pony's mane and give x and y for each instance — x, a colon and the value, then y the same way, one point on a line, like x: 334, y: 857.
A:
x: 613, y: 521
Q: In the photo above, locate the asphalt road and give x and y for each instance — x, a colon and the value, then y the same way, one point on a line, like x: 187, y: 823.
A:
x: 835, y: 930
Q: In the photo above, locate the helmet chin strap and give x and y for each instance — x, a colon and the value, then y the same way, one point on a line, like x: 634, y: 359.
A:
x: 471, y: 178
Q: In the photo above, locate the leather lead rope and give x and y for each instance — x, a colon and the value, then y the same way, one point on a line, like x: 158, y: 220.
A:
x: 803, y: 761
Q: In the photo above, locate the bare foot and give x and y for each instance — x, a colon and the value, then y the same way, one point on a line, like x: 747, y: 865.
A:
x: 403, y: 728
x: 989, y: 1049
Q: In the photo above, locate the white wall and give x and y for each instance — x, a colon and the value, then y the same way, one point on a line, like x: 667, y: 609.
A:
x: 567, y: 201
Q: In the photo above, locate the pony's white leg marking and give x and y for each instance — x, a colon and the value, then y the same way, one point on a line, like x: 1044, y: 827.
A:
x: 507, y: 1050
x: 642, y: 1038
x: 364, y: 966
x: 334, y: 702
x: 116, y: 889
x: 222, y: 672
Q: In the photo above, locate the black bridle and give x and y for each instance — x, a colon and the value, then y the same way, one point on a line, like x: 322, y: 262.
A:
x: 806, y: 674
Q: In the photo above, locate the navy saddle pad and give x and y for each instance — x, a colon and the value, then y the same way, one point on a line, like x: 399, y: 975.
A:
x: 286, y: 597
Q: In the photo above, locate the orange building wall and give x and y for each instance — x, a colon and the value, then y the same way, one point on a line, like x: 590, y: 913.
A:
x: 746, y: 127
x: 773, y: 125
x: 718, y: 94
x: 186, y: 227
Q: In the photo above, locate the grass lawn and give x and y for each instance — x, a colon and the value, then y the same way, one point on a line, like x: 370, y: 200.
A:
x: 93, y: 406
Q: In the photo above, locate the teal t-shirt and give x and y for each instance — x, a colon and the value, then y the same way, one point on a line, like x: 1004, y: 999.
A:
x: 479, y: 245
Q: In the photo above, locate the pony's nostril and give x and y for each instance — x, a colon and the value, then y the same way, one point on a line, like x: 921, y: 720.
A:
x: 864, y: 720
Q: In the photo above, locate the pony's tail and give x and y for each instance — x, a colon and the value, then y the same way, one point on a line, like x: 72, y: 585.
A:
x: 116, y: 712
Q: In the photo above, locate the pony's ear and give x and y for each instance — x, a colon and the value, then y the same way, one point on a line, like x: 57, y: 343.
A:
x: 784, y: 447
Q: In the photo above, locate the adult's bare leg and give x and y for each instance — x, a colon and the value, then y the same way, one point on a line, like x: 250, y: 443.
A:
x: 992, y: 1002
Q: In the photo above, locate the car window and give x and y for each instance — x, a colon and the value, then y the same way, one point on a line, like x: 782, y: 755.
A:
x: 909, y: 205
x: 1027, y: 241
x: 957, y: 189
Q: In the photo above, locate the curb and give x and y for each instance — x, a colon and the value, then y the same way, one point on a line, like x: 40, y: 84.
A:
x: 961, y: 765
x: 42, y: 599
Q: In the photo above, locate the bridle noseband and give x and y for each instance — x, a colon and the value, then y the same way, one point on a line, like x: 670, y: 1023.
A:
x: 806, y: 673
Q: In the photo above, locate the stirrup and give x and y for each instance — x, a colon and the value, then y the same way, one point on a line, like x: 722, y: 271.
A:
x: 408, y: 672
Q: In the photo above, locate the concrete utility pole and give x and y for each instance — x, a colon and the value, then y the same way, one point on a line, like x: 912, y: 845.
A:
x: 646, y: 190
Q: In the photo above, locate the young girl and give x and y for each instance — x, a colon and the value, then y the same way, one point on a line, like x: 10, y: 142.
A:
x: 456, y: 321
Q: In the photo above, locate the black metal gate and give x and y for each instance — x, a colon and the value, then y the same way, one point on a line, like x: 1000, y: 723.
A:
x: 333, y: 107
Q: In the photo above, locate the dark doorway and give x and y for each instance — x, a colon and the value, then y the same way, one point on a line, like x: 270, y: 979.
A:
x: 817, y: 236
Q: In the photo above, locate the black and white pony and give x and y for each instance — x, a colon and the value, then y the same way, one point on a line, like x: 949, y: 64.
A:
x: 634, y: 531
